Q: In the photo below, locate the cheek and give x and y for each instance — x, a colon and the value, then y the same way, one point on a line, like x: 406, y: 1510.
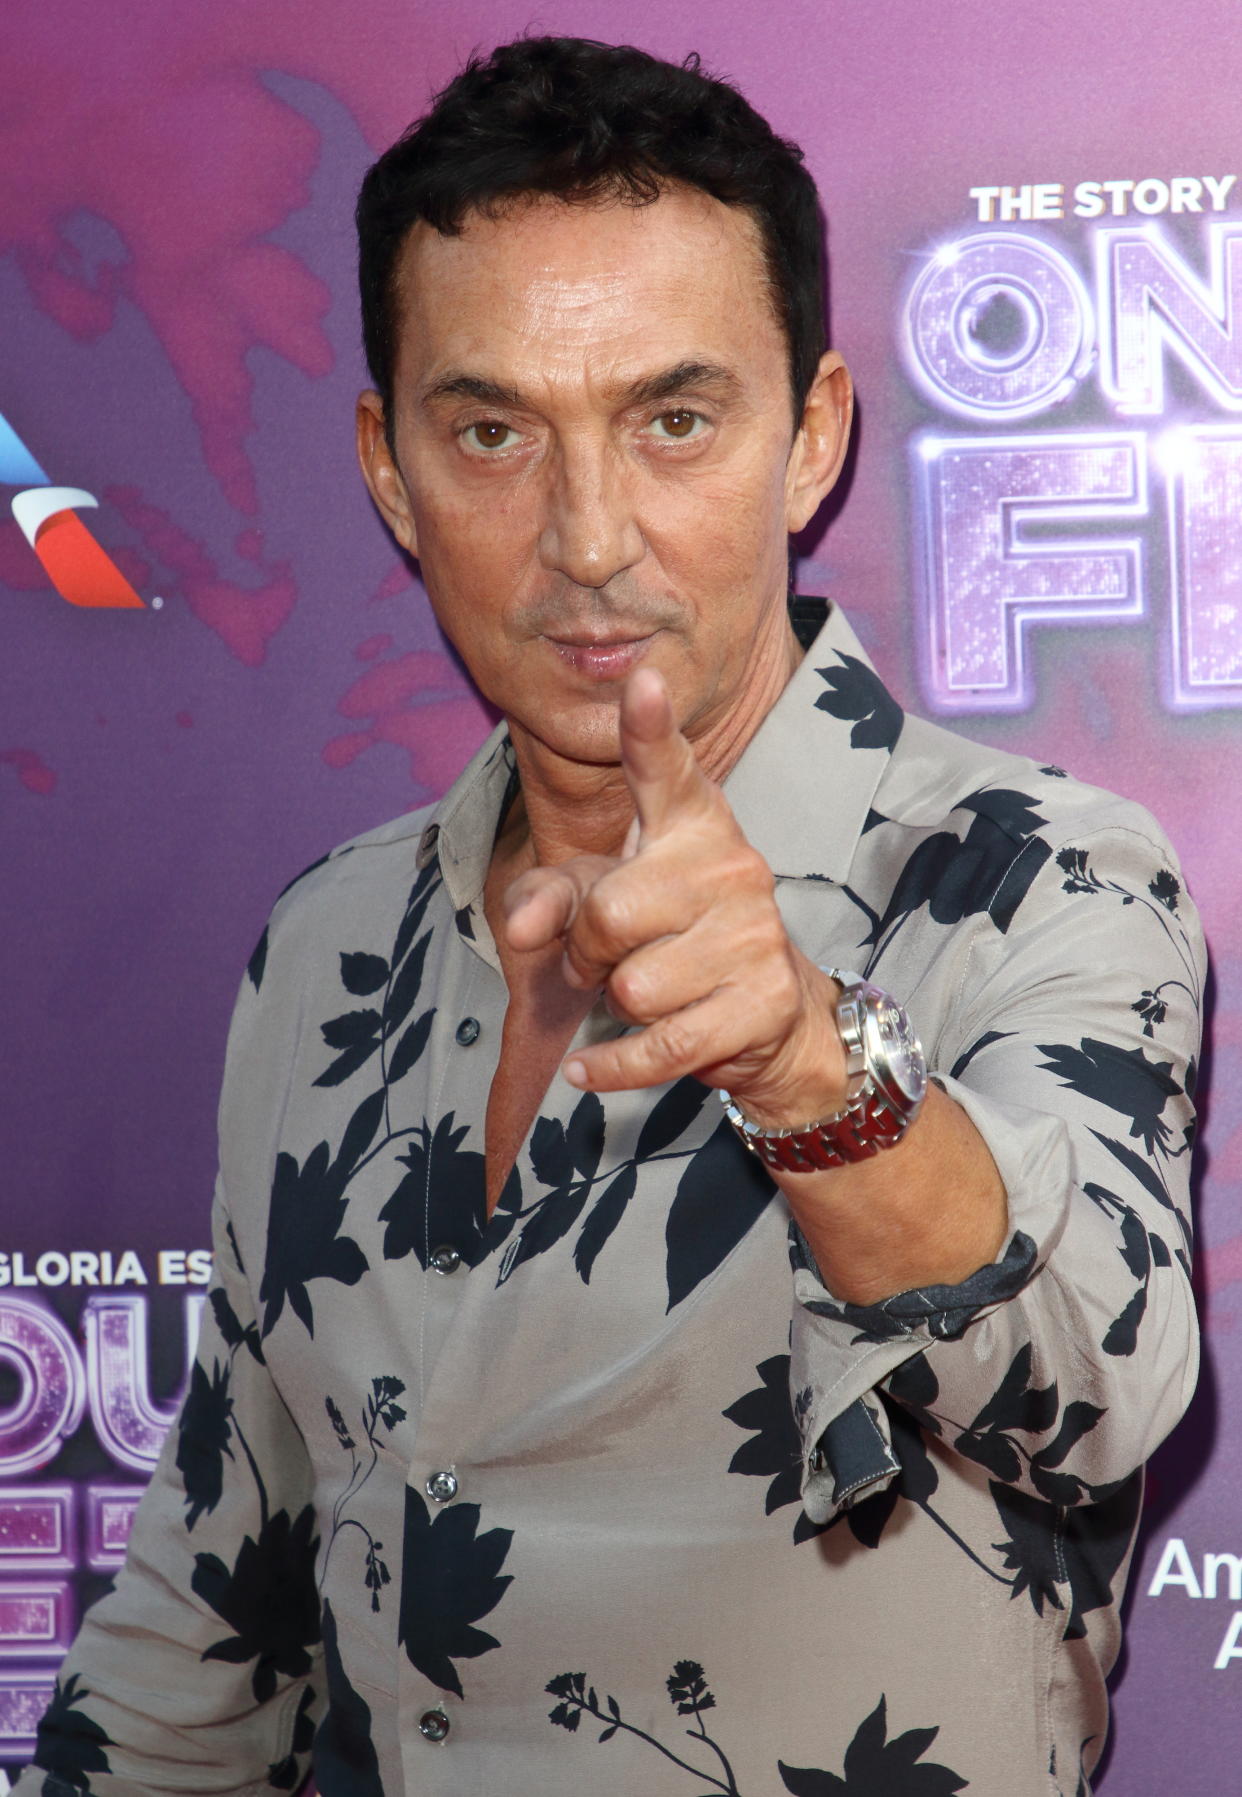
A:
x: 730, y: 523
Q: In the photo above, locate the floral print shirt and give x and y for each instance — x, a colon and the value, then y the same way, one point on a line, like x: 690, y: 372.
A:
x: 609, y: 1493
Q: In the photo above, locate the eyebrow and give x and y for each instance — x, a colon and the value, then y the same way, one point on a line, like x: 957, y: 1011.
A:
x: 682, y: 377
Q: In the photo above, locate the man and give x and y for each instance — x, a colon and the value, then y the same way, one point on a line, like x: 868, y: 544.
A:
x: 516, y: 1459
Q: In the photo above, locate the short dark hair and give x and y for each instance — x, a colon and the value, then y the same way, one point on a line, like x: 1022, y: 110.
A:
x: 583, y: 120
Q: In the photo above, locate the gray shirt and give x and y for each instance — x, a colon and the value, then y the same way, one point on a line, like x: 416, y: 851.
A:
x: 610, y: 1493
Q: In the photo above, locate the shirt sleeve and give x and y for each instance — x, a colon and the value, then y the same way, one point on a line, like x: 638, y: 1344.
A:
x: 1073, y: 1046
x: 196, y: 1673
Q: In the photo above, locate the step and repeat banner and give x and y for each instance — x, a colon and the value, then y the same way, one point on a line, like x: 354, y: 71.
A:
x: 215, y: 665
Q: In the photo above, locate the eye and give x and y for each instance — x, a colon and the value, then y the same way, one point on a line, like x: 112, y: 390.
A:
x: 489, y: 433
x: 679, y: 424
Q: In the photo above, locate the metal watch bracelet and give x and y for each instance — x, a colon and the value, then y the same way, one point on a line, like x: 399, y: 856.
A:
x: 886, y: 1078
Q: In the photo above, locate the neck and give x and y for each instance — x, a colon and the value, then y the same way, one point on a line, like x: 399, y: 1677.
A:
x: 567, y: 808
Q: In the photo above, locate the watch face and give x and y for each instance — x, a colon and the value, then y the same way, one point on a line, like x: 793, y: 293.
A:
x: 901, y: 1061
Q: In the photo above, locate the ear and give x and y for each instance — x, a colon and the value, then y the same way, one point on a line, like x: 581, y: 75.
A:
x: 385, y: 481
x: 820, y: 445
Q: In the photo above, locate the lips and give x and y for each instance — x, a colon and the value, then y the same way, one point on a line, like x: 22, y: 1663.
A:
x: 602, y: 658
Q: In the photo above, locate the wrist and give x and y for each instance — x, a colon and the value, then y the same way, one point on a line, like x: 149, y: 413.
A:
x: 885, y: 1078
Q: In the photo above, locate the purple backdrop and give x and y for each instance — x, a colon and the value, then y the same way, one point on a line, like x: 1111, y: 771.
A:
x: 1040, y: 542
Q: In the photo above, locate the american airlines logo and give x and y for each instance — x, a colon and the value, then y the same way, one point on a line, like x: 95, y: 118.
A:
x: 77, y: 566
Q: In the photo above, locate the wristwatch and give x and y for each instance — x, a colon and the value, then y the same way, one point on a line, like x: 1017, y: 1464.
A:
x: 886, y: 1079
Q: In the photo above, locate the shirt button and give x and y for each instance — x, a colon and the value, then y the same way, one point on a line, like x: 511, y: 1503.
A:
x: 442, y: 1487
x: 434, y: 1725
x: 468, y: 1031
x: 444, y: 1260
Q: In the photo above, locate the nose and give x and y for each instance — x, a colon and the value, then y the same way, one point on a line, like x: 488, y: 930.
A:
x: 590, y: 532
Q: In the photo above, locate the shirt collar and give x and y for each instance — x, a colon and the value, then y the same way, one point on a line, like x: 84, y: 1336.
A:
x: 801, y: 791
x: 803, y: 787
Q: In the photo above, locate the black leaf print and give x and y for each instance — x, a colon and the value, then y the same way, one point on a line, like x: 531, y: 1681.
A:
x: 237, y: 1256
x: 1077, y: 1419
x: 1145, y: 1171
x: 1056, y: 773
x: 363, y: 974
x: 994, y: 1451
x: 464, y: 919
x: 1032, y: 1551
x: 671, y: 1116
x: 340, y: 1426
x: 424, y: 1212
x: 549, y: 1152
x: 1165, y: 889
x: 450, y: 1578
x: 557, y: 1153
x: 232, y: 1330
x: 1121, y: 1336
x: 605, y: 1215
x: 303, y: 1240
x: 358, y: 1136
x: 915, y: 1387
x: 257, y: 964
x: 689, y: 1695
x: 1016, y: 1404
x: 421, y: 894
x: 856, y: 691
x: 1152, y: 1009
x: 687, y: 1689
x: 967, y: 1056
x: 723, y: 1191
x: 774, y: 1450
x: 548, y: 1223
x: 409, y: 1049
x: 1124, y: 1079
x: 268, y: 1600
x: 383, y: 1403
x: 877, y: 1767
x: 1094, y: 1544
x: 570, y: 1686
x: 988, y: 871
x: 377, y: 1573
x: 287, y: 1774
x: 71, y: 1744
x: 584, y: 1138
x: 1073, y: 864
x: 357, y: 1035
x: 345, y: 1757
x: 203, y: 1434
x: 1134, y: 1246
x: 405, y: 988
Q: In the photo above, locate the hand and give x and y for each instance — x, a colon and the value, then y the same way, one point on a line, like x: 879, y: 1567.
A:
x: 683, y: 935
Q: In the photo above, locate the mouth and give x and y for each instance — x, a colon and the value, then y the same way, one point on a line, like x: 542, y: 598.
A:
x: 602, y: 658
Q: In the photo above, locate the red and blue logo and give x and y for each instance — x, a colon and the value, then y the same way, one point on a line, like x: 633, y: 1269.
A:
x: 78, y: 567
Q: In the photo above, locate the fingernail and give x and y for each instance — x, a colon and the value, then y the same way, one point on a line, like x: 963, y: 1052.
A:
x: 575, y: 1072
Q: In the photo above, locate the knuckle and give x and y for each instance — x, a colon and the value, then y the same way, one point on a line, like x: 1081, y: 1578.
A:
x: 673, y: 1042
x: 627, y: 990
x: 605, y: 914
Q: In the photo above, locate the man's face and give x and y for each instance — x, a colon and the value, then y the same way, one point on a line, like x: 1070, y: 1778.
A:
x: 593, y: 457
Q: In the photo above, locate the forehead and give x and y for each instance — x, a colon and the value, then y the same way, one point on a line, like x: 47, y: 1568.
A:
x: 549, y: 286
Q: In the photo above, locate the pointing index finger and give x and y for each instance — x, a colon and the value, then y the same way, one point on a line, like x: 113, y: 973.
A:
x: 660, y: 767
